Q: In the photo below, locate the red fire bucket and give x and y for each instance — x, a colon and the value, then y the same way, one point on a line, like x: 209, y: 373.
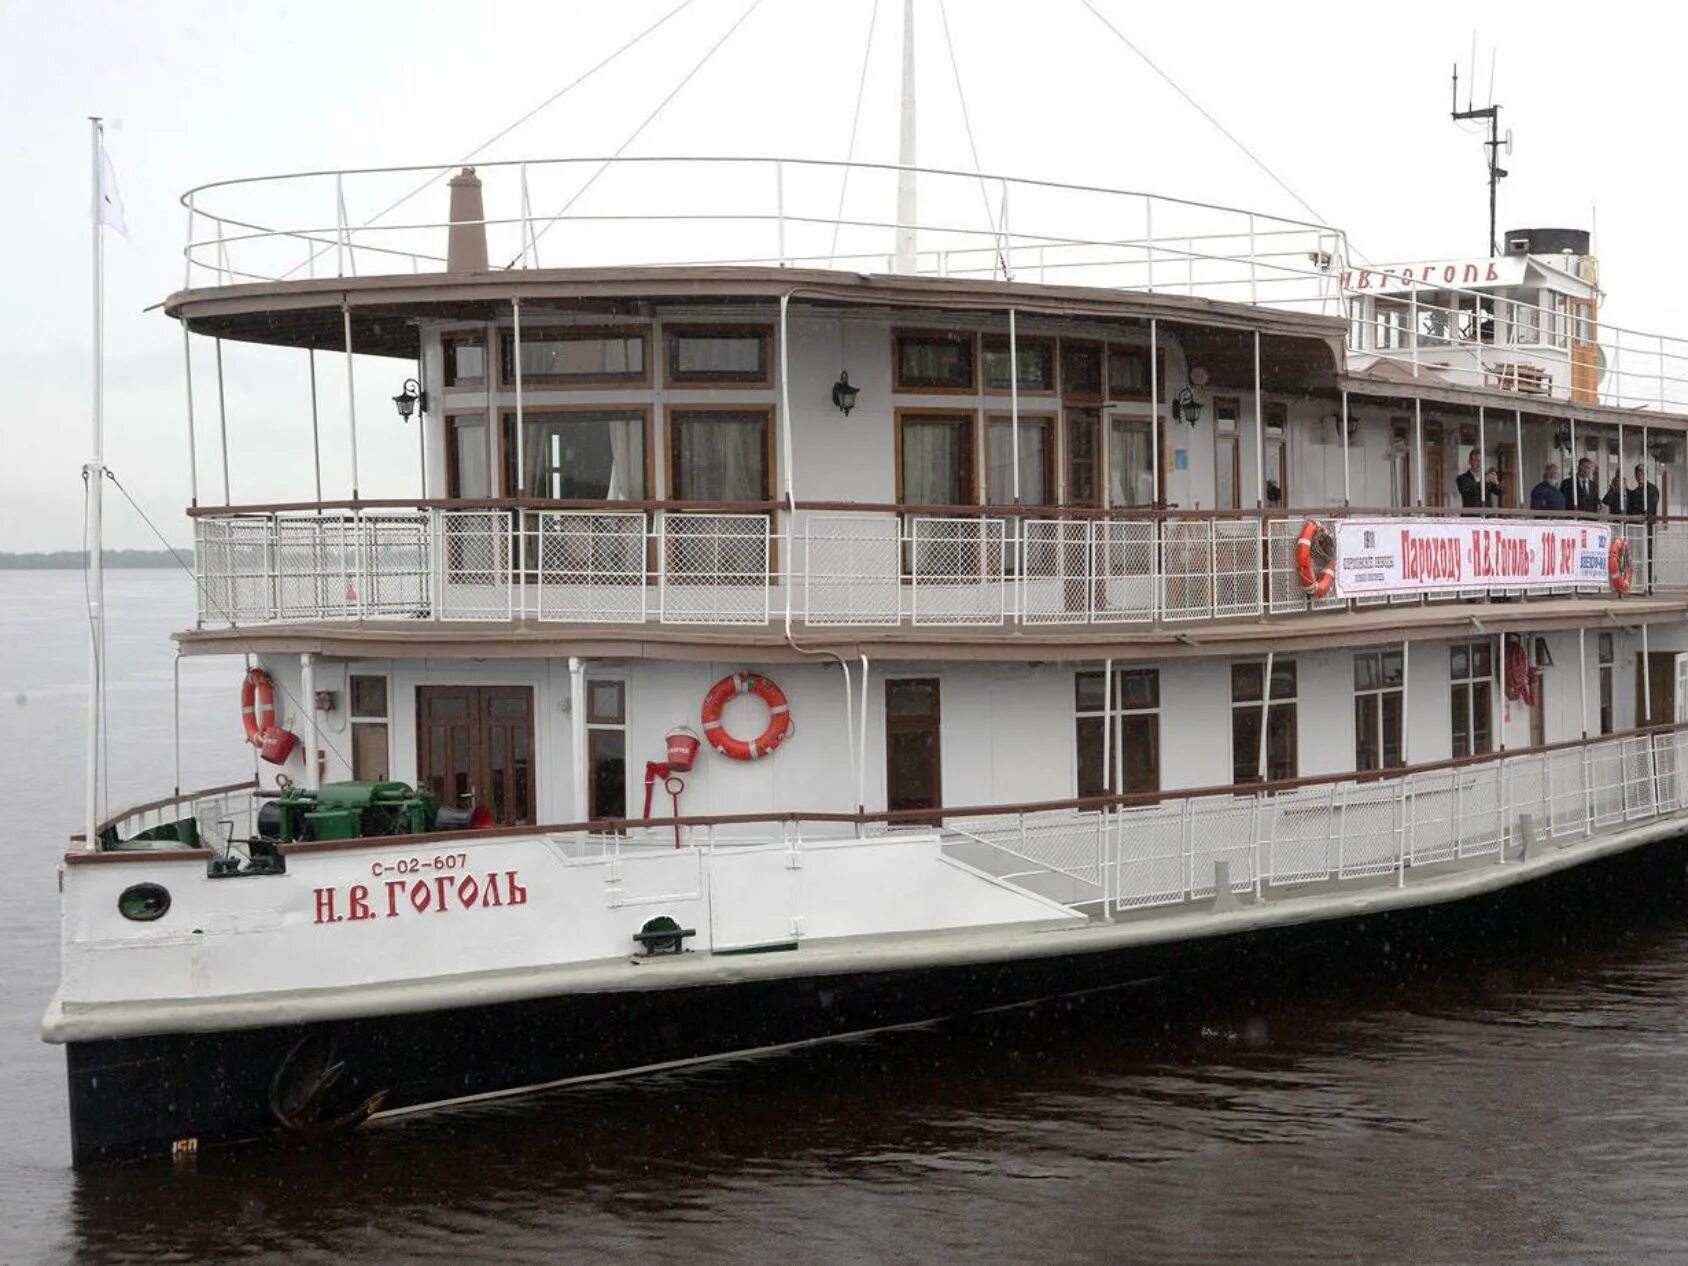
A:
x: 682, y: 749
x: 276, y: 744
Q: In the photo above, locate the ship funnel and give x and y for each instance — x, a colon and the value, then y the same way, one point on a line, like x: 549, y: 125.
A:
x: 465, y: 250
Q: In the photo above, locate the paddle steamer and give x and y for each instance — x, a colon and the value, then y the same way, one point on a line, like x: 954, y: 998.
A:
x: 805, y: 623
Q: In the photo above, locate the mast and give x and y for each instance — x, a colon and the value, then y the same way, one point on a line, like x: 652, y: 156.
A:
x: 93, y: 475
x: 906, y: 157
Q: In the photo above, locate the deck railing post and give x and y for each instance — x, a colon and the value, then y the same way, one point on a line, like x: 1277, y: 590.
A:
x: 779, y: 206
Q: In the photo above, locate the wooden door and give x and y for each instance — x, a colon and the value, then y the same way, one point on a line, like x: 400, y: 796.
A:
x: 1084, y: 457
x: 1585, y: 353
x: 1657, y: 706
x: 913, y: 758
x: 475, y: 748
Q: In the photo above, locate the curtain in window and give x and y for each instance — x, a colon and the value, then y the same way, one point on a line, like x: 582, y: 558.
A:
x: 1131, y: 462
x: 1033, y: 461
x: 721, y: 457
x: 934, y: 463
x: 584, y: 457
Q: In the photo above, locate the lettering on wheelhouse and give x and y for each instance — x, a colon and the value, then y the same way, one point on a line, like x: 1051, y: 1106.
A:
x: 446, y: 893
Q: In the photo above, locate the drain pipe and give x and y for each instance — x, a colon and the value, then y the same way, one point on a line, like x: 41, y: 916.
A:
x: 1266, y: 713
x: 577, y: 735
x: 176, y: 718
x: 307, y: 692
x: 861, y: 751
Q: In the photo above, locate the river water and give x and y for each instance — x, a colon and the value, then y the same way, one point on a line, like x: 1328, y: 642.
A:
x: 1517, y: 1093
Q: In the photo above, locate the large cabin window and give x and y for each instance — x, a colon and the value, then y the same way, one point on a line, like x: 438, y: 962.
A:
x: 1247, y: 685
x: 1472, y: 683
x: 1378, y: 680
x: 1081, y: 370
x: 465, y: 456
x: 1036, y: 460
x: 1037, y: 363
x: 584, y: 357
x: 935, y: 460
x: 718, y: 355
x: 578, y: 455
x: 720, y: 454
x: 1133, y: 477
x: 465, y: 360
x: 1133, y: 760
x: 934, y: 362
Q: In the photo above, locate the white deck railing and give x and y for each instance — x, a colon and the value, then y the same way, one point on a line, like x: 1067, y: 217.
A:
x: 1119, y: 858
x: 822, y: 569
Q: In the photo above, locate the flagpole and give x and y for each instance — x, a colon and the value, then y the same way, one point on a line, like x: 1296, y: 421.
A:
x: 94, y: 476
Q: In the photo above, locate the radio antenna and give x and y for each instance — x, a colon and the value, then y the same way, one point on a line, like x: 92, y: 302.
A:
x: 1491, y: 112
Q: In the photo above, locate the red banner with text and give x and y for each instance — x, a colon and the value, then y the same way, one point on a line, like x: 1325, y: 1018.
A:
x: 1401, y: 556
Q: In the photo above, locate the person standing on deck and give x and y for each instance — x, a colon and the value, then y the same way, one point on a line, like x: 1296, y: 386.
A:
x: 1580, y: 493
x: 1470, y: 482
x: 1643, y: 499
x: 1546, y: 495
x: 1614, y: 500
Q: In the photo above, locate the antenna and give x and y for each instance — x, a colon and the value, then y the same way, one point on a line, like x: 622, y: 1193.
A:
x: 1494, y: 144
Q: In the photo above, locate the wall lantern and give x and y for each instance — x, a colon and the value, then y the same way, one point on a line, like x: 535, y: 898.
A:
x: 844, y: 395
x: 1186, y: 407
x: 410, y: 395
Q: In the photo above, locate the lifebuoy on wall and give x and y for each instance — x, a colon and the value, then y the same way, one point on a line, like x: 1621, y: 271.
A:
x: 779, y: 716
x: 257, y: 706
x: 1315, y: 559
x: 1620, y: 565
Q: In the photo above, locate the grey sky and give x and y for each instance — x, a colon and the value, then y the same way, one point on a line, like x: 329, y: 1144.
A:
x: 1347, y: 103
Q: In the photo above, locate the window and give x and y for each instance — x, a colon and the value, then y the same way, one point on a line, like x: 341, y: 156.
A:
x: 1037, y: 363
x: 465, y: 456
x: 577, y: 357
x: 1392, y: 321
x: 1128, y: 373
x: 913, y: 752
x: 1133, y: 763
x: 707, y: 355
x: 368, y: 714
x: 1083, y: 431
x: 1526, y: 317
x: 935, y: 462
x: 578, y: 455
x: 1081, y: 370
x: 1608, y: 666
x: 606, y: 748
x: 465, y: 360
x: 720, y: 454
x: 1036, y: 460
x: 1400, y: 463
x: 1133, y: 477
x: 1227, y: 474
x: 1378, y: 677
x: 1247, y: 683
x: 1472, y: 676
x: 934, y: 362
x: 1276, y: 444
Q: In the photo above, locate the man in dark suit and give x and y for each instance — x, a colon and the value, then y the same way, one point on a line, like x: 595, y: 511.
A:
x: 1546, y: 494
x: 1580, y: 493
x: 1470, y: 482
x: 1644, y: 497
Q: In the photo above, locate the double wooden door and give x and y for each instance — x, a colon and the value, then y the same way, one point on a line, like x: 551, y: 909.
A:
x: 475, y: 748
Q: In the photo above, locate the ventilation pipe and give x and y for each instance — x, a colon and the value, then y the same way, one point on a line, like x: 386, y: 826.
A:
x: 465, y: 250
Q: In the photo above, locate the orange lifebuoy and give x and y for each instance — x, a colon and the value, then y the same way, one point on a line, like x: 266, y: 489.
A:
x: 257, y: 706
x: 1620, y: 565
x: 1315, y: 559
x: 779, y: 716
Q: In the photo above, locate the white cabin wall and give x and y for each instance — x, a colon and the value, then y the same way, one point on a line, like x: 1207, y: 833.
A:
x: 842, y: 458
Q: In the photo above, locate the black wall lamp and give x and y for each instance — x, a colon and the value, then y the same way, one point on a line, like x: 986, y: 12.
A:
x: 1186, y: 407
x: 410, y: 395
x: 844, y: 395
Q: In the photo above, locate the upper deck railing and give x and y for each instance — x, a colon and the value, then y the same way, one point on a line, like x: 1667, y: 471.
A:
x: 809, y: 213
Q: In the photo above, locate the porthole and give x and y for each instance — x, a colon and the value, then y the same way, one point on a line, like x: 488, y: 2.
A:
x: 144, y: 902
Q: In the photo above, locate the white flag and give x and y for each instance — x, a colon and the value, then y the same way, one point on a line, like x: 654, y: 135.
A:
x: 111, y: 202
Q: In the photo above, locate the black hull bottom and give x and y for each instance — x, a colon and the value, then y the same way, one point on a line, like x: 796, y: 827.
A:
x: 133, y: 1098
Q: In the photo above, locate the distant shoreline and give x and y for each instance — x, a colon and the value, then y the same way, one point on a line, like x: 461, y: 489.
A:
x: 75, y: 559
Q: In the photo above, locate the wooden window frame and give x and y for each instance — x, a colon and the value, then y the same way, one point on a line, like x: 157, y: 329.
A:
x: 1378, y: 692
x: 595, y: 728
x: 990, y: 344
x: 1068, y: 394
x: 507, y: 450
x: 1268, y: 442
x: 1133, y: 397
x: 1116, y: 716
x: 1271, y: 702
x: 450, y: 340
x: 707, y: 330
x: 936, y: 719
x: 671, y: 466
x: 1070, y: 419
x: 1050, y: 467
x: 948, y: 336
x: 452, y: 474
x: 1234, y: 440
x: 1606, y: 695
x: 1163, y: 473
x: 354, y: 719
x: 901, y: 416
x: 570, y: 382
x: 1469, y: 684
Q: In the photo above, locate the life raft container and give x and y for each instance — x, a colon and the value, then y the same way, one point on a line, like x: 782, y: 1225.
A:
x: 1620, y: 565
x: 1315, y: 559
x: 779, y: 716
x: 257, y: 706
